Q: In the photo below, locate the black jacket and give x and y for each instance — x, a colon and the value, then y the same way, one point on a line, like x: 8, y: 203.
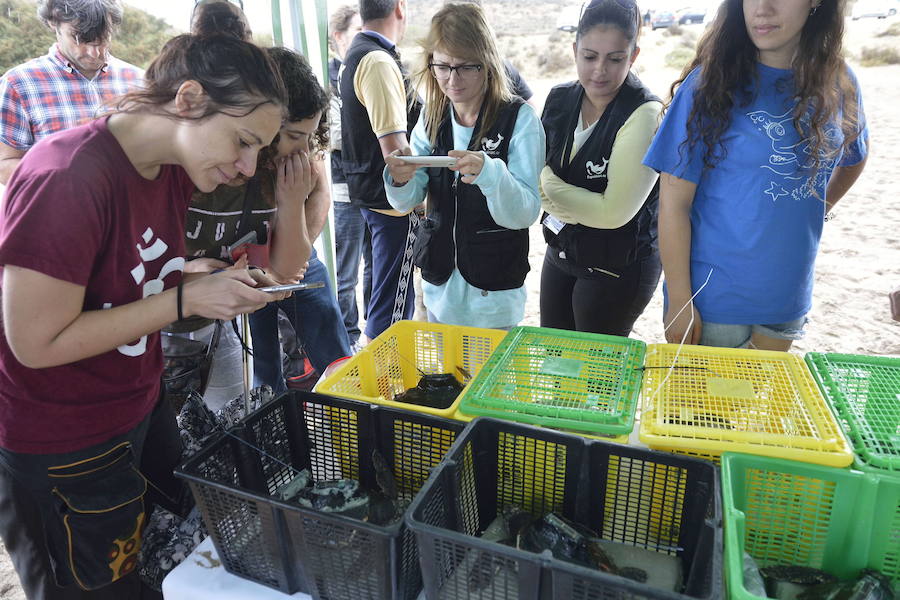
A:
x: 588, y: 246
x: 459, y: 230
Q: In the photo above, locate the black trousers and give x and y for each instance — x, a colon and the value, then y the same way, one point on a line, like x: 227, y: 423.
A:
x: 594, y: 300
x: 27, y: 523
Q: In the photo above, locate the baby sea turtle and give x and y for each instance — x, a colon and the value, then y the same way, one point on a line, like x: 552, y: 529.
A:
x: 437, y: 390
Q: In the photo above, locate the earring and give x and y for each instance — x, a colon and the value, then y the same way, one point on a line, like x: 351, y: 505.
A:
x: 813, y: 10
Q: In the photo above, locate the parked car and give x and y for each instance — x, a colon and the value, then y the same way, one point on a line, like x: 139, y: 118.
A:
x: 662, y: 18
x: 874, y: 8
x: 688, y: 16
x: 568, y: 19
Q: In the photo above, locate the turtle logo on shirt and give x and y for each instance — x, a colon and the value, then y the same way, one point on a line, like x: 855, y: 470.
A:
x: 490, y: 146
x: 596, y: 171
x: 791, y: 160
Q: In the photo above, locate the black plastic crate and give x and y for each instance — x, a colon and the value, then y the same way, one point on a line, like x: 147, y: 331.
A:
x: 290, y: 548
x: 653, y: 500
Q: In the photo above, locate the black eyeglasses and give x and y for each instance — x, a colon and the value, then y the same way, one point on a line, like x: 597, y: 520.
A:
x: 442, y: 71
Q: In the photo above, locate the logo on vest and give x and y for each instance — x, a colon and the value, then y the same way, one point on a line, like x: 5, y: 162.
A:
x: 596, y: 171
x: 490, y: 147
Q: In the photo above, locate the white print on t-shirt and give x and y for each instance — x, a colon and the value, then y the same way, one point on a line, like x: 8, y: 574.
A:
x: 490, y: 146
x: 788, y: 160
x: 149, y: 254
x: 596, y: 171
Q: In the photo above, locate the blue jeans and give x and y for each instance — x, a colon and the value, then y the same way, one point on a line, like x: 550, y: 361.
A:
x: 393, y: 296
x: 726, y: 335
x: 351, y: 241
x: 315, y: 316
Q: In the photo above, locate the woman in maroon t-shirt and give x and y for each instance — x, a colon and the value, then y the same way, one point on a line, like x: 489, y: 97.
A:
x: 91, y: 249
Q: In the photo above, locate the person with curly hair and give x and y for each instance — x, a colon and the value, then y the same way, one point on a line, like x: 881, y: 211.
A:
x: 286, y: 203
x: 764, y: 135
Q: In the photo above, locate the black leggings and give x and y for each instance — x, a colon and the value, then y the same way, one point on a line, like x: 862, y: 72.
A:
x: 580, y: 299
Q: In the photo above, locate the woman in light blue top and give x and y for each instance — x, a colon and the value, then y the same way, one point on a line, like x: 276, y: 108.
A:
x: 473, y: 244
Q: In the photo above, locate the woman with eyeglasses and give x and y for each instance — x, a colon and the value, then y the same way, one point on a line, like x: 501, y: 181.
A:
x: 92, y: 254
x: 601, y: 266
x: 473, y: 244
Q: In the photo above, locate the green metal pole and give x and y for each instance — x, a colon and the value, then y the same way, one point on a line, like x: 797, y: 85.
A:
x: 277, y: 38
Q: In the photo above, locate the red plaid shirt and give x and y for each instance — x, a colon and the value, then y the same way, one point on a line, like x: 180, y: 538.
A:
x: 48, y: 94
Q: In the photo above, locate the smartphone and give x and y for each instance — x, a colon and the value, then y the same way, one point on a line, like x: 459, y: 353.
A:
x: 292, y: 287
x: 429, y: 161
x: 240, y: 246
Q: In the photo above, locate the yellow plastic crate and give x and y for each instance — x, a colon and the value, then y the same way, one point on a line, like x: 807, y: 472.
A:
x: 619, y: 439
x: 718, y: 400
x: 396, y: 360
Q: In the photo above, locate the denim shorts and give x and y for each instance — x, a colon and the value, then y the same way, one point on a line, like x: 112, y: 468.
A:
x: 726, y: 335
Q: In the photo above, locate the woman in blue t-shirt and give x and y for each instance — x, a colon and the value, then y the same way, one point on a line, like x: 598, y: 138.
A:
x: 764, y: 135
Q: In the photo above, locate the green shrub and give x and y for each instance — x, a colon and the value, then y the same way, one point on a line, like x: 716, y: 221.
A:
x: 881, y: 55
x: 688, y: 39
x: 893, y: 30
x: 552, y: 61
x: 679, y: 57
x: 673, y: 30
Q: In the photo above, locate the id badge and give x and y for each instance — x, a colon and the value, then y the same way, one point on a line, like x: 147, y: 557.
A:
x: 553, y: 224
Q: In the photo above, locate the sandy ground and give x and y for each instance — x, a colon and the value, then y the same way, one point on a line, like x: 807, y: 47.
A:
x: 859, y: 257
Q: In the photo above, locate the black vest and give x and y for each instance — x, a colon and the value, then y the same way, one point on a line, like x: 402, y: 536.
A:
x: 363, y: 162
x: 459, y: 230
x: 588, y: 246
x: 337, y: 164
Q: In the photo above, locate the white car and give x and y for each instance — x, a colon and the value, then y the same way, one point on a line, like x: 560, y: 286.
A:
x: 874, y: 8
x: 568, y: 19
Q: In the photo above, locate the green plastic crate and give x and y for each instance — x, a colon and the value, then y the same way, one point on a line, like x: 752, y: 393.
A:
x: 561, y: 379
x: 864, y: 392
x: 787, y: 512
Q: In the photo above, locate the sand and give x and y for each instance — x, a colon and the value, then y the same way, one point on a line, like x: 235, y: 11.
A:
x: 860, y: 252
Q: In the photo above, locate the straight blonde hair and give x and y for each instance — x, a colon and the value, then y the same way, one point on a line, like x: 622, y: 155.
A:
x: 461, y: 30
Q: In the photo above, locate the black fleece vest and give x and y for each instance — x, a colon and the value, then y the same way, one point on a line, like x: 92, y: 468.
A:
x: 588, y: 246
x: 459, y: 230
x: 363, y: 162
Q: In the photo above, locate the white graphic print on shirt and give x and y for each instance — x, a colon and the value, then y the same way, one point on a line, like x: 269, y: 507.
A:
x: 790, y: 159
x: 148, y: 254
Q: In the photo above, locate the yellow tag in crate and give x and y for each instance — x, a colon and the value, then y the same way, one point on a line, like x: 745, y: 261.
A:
x: 730, y: 388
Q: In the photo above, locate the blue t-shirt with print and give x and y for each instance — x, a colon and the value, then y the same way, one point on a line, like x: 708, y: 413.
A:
x: 755, y: 221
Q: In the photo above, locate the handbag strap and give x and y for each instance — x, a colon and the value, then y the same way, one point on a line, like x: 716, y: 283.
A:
x: 251, y: 190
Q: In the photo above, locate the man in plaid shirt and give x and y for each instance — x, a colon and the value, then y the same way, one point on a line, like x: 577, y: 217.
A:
x: 67, y: 86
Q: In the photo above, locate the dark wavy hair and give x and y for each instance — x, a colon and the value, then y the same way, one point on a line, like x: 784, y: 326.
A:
x: 727, y: 57
x: 305, y: 96
x: 91, y: 20
x: 238, y: 77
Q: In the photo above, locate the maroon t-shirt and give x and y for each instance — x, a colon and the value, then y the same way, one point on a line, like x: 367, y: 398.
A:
x: 77, y: 210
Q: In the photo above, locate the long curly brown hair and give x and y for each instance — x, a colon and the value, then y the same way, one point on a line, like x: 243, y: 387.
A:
x: 727, y: 60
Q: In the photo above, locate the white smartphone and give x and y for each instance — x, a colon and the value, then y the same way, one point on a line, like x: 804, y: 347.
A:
x: 292, y: 287
x: 429, y: 161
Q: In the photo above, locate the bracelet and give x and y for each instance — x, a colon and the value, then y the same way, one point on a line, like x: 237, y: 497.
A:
x: 180, y: 293
x: 830, y: 216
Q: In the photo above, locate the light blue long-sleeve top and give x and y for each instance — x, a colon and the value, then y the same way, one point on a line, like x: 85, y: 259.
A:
x: 511, y: 190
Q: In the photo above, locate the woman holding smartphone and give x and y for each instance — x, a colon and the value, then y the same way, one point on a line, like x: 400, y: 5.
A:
x: 82, y: 427
x: 473, y: 244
